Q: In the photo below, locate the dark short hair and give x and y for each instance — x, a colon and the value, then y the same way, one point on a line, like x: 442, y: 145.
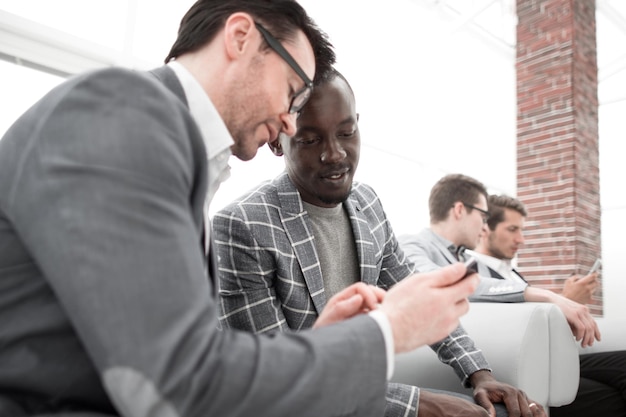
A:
x: 451, y: 189
x: 283, y: 18
x: 324, y: 77
x: 497, y: 204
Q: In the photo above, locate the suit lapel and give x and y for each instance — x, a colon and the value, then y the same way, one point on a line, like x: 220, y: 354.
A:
x: 169, y: 79
x: 364, y: 241
x: 519, y: 275
x: 493, y: 273
x: 490, y: 272
x: 297, y: 226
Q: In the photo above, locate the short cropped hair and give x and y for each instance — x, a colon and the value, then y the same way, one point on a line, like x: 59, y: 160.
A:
x: 497, y: 204
x: 282, y: 18
x: 325, y: 77
x: 451, y: 189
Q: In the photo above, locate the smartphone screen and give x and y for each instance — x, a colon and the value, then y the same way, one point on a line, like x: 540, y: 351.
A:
x: 596, y: 265
x: 471, y: 267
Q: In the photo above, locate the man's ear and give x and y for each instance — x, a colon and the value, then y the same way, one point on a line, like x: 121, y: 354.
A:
x: 239, y: 31
x: 276, y: 147
x: 457, y: 209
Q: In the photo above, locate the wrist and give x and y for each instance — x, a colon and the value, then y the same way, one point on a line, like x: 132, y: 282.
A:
x: 538, y: 295
x: 480, y: 376
x: 385, y: 327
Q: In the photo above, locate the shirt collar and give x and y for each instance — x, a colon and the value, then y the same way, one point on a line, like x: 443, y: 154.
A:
x: 503, y: 267
x: 214, y: 132
x: 493, y: 263
x: 445, y: 242
x: 217, y: 139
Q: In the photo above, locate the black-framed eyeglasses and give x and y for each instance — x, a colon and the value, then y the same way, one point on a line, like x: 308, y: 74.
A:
x: 483, y: 213
x: 301, y: 96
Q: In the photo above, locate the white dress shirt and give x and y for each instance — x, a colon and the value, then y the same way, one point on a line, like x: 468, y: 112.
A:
x: 217, y: 139
x: 504, y: 267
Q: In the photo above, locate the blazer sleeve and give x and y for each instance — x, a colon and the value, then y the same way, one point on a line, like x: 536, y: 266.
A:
x: 248, y: 299
x: 497, y: 290
x: 423, y: 255
x: 458, y: 349
x: 104, y: 208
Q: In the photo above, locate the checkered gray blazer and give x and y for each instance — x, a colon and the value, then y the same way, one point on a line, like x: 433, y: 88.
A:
x: 271, y: 279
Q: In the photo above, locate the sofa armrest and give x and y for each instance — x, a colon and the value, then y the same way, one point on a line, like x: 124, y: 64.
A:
x: 528, y: 345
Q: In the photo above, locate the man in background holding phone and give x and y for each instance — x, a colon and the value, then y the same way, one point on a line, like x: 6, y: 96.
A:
x: 602, y: 388
x: 458, y: 216
x: 581, y: 289
x: 504, y: 237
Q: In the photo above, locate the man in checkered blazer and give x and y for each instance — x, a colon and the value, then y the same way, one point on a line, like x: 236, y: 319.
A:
x: 290, y: 244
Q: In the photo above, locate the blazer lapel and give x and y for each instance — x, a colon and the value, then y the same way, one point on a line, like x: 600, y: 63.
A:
x: 365, y: 245
x: 494, y: 274
x: 169, y: 79
x: 519, y: 275
x: 297, y: 226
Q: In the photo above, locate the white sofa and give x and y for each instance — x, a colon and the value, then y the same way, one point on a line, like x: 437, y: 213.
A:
x: 528, y: 345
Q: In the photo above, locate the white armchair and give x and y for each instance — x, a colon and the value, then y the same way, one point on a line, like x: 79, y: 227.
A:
x: 528, y: 345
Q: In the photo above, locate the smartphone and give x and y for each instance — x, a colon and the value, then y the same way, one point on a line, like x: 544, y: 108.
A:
x: 596, y: 265
x: 471, y: 266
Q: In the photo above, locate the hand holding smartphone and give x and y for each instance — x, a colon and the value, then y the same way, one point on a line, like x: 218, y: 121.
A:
x: 471, y: 267
x: 596, y: 266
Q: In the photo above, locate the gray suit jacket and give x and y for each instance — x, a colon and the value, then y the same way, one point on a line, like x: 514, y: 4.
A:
x: 430, y: 251
x: 104, y: 301
x: 270, y: 276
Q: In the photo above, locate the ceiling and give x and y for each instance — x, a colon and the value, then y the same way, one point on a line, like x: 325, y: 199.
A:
x: 58, y: 47
x: 494, y: 21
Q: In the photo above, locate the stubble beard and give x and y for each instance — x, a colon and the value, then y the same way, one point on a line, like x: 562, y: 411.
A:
x: 335, y: 200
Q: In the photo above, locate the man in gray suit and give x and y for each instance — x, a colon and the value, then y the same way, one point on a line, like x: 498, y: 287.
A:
x: 105, y: 303
x: 458, y: 215
x: 291, y: 243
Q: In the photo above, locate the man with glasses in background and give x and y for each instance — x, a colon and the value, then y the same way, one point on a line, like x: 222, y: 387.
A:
x: 107, y: 295
x: 459, y: 215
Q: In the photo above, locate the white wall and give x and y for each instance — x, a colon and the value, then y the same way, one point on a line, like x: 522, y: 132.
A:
x: 432, y: 100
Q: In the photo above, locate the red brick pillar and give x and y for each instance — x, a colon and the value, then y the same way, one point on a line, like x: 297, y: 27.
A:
x: 557, y: 140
